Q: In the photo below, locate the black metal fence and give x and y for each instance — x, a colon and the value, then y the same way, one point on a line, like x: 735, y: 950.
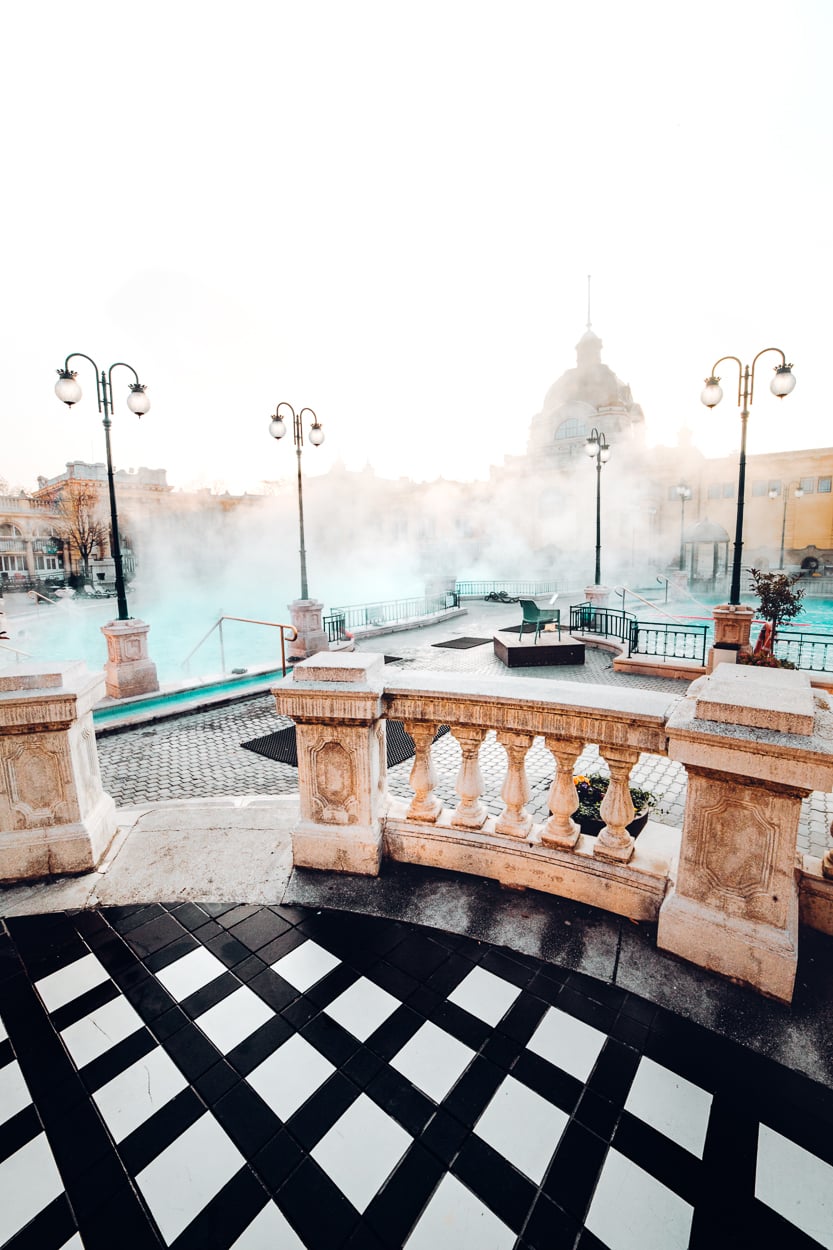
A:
x: 585, y: 618
x: 664, y: 639
x: 478, y: 590
x: 804, y: 650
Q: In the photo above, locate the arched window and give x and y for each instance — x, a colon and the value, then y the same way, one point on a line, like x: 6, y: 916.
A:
x: 7, y: 530
x: 573, y: 427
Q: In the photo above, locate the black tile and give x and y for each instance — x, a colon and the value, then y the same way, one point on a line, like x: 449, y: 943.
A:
x: 549, y: 1227
x: 218, y: 909
x: 334, y: 1042
x: 215, y: 1082
x: 178, y: 949
x: 444, y: 1136
x: 448, y: 975
x: 474, y: 1090
x: 225, y: 1218
x: 209, y: 995
x: 500, y: 1050
x: 117, y: 1058
x: 53, y: 1226
x: 631, y: 1032
x: 523, y: 1018
x: 277, y: 1160
x: 552, y: 1083
x: 395, y: 1209
x: 125, y: 919
x: 238, y: 913
x: 394, y: 980
x: 300, y: 1012
x: 191, y: 1051
x: 77, y: 1138
x: 639, y: 1009
x: 597, y: 1014
x: 120, y: 1210
x: 417, y: 955
x: 468, y: 1029
x: 497, y: 1184
x: 168, y: 1023
x: 394, y: 1032
x: 210, y: 929
x: 598, y: 1114
x: 153, y: 936
x: 317, y: 1210
x: 614, y: 1071
x: 507, y: 967
x: 227, y: 949
x: 575, y: 1170
x: 172, y: 1119
x: 83, y: 1005
x: 259, y: 1045
x: 249, y: 968
x: 190, y: 916
x: 273, y: 989
x: 17, y: 1130
x: 246, y: 1118
x: 364, y: 1238
x: 280, y: 946
x: 148, y: 997
x: 408, y: 1106
x: 660, y: 1156
x: 259, y: 929
x: 331, y: 986
x: 602, y: 992
x: 362, y: 1067
x: 322, y: 1109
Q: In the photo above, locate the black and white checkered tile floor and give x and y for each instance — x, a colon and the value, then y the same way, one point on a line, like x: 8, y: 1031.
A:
x: 216, y: 1076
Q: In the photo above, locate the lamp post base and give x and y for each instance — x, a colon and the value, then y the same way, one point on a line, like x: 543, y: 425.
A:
x: 597, y: 595
x: 305, y: 616
x: 128, y: 671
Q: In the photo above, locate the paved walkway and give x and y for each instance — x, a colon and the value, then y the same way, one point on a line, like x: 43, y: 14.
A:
x: 199, y: 754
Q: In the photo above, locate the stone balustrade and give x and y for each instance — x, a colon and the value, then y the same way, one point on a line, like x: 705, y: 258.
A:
x: 724, y: 891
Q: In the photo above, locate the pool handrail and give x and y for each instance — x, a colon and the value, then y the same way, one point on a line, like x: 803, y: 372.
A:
x: 16, y: 650
x: 288, y: 634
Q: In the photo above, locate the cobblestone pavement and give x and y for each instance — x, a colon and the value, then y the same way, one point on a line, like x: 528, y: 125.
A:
x: 198, y: 755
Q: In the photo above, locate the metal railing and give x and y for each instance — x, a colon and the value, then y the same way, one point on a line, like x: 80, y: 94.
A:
x: 4, y: 646
x: 288, y: 634
x: 477, y: 590
x: 668, y: 641
x: 805, y: 650
x: 586, y: 618
x: 390, y: 612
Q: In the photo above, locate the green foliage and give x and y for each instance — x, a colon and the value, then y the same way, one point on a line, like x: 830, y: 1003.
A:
x: 592, y: 787
x: 779, y: 597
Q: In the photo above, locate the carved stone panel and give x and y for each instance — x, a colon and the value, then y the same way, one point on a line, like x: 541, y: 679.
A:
x: 37, y: 781
x: 334, y: 786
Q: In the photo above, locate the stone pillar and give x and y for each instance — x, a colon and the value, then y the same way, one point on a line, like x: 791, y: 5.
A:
x: 732, y: 626
x: 754, y: 742
x: 128, y: 671
x: 336, y: 703
x: 597, y: 595
x: 305, y: 616
x: 54, y: 816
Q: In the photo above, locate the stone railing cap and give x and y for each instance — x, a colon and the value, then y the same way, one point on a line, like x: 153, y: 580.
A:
x: 55, y: 675
x: 777, y: 699
x: 352, y: 667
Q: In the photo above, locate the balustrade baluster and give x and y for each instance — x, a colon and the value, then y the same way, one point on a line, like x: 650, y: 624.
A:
x: 514, y: 821
x: 470, y: 812
x: 425, y: 805
x: 560, y: 831
x: 617, y: 810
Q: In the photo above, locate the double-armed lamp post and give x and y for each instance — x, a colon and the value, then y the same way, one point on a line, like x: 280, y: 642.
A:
x: 598, y: 446
x: 277, y: 428
x: 69, y: 392
x: 781, y: 385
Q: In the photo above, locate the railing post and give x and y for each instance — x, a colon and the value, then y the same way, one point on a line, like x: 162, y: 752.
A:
x: 425, y: 805
x: 616, y: 809
x: 560, y: 831
x: 754, y: 743
x: 470, y: 812
x: 336, y: 703
x: 514, y: 821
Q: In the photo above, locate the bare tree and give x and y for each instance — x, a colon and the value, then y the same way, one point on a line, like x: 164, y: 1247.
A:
x: 83, y: 522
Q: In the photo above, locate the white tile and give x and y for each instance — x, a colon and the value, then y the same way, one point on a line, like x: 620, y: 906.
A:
x: 234, y: 1018
x: 670, y: 1104
x: 456, y: 1220
x: 269, y: 1231
x: 71, y: 982
x: 568, y: 1043
x: 74, y: 1243
x: 190, y: 973
x: 305, y: 965
x: 523, y: 1127
x: 796, y: 1184
x: 14, y: 1093
x: 96, y: 1033
x: 362, y: 1008
x: 290, y: 1075
x: 485, y: 995
x: 185, y: 1177
x: 633, y: 1211
x: 433, y: 1060
x: 361, y: 1150
x: 138, y: 1092
x: 29, y: 1181
x: 3, y: 1033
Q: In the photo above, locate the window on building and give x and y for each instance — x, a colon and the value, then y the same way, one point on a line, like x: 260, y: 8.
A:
x: 808, y: 485
x: 728, y: 490
x: 760, y: 488
x: 572, y: 428
x: 823, y: 487
x: 715, y: 490
x: 47, y: 564
x: 12, y: 564
x: 773, y: 487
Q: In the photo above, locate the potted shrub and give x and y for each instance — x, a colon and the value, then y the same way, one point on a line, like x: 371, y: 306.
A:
x: 591, y: 789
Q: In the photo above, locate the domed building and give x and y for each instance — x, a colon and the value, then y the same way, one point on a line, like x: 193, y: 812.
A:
x: 586, y: 397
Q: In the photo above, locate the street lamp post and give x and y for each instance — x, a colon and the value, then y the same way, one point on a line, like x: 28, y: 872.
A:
x: 598, y: 446
x: 277, y: 428
x: 781, y: 385
x: 684, y: 493
x: 773, y: 494
x: 69, y: 392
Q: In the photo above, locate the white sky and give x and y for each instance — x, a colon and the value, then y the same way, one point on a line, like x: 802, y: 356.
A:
x: 387, y: 212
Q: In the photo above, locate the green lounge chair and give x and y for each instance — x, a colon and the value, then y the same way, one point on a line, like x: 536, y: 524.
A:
x: 533, y: 615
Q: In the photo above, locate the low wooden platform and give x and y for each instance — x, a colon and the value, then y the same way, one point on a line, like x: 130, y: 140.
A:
x: 522, y: 652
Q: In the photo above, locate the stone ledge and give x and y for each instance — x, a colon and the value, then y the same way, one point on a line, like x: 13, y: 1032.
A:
x: 758, y: 698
